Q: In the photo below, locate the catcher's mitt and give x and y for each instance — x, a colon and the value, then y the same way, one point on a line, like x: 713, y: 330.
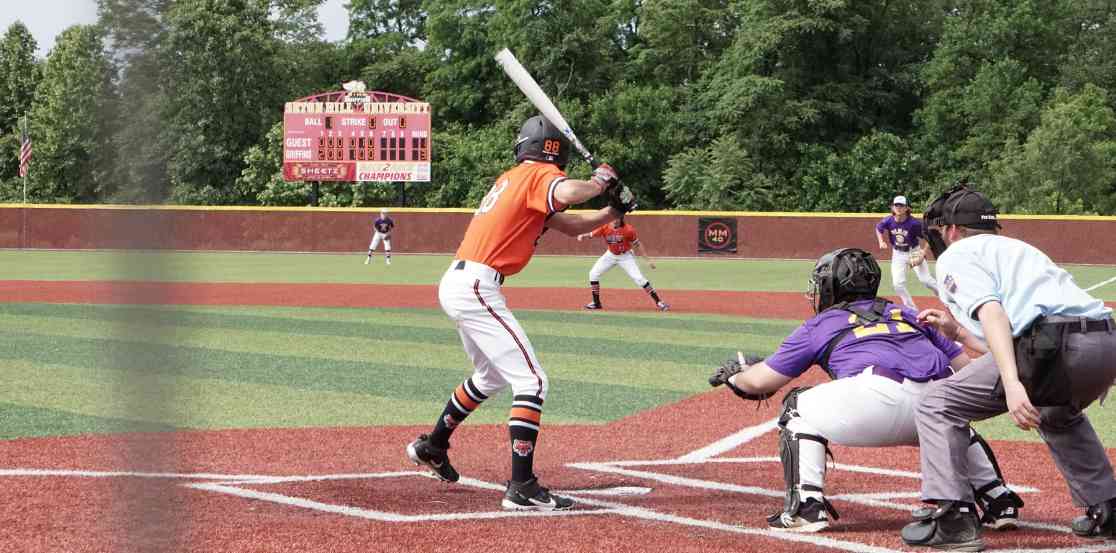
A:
x: 916, y: 259
x: 732, y: 366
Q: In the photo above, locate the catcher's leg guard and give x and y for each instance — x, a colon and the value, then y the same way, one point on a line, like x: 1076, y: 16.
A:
x: 999, y: 506
x: 803, y: 453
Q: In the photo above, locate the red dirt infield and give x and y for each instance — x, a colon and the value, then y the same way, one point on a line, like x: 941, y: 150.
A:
x: 699, y: 475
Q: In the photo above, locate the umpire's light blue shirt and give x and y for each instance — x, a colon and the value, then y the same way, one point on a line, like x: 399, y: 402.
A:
x: 987, y: 267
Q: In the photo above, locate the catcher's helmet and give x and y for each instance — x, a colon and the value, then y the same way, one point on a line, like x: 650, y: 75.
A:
x: 847, y: 274
x: 541, y: 141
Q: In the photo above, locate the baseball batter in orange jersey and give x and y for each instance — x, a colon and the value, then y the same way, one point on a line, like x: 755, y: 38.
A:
x: 622, y: 241
x: 499, y: 242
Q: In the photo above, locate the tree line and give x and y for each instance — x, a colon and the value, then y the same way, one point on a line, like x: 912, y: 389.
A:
x: 771, y: 105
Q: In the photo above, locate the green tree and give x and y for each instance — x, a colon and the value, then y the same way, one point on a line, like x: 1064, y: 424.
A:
x: 722, y: 176
x: 19, y: 76
x: 220, y: 58
x: 69, y: 121
x: 1068, y: 164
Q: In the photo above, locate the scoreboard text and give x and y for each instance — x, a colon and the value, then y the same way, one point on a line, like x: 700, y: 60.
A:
x: 356, y: 141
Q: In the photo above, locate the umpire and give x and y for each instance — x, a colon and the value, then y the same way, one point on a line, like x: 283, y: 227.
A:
x: 1053, y: 352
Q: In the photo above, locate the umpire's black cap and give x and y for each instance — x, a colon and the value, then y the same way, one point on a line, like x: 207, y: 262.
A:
x: 965, y: 207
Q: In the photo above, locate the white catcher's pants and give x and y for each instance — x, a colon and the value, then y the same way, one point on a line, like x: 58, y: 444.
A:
x: 626, y: 261
x: 376, y: 238
x: 501, y: 353
x: 865, y: 411
x: 899, y: 266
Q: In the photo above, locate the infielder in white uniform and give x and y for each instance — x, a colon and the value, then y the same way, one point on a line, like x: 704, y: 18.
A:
x: 908, y: 249
x: 381, y: 231
x: 622, y: 243
x: 881, y: 360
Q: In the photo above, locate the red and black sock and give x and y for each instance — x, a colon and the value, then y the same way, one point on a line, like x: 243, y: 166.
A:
x: 651, y: 290
x: 465, y: 399
x: 523, y: 429
x: 595, y: 286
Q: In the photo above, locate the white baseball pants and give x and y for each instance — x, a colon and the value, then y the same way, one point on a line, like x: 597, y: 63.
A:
x: 376, y: 238
x: 501, y: 353
x: 899, y: 266
x: 626, y: 261
x: 865, y: 411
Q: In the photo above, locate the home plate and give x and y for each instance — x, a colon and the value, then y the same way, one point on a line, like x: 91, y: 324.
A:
x: 619, y: 490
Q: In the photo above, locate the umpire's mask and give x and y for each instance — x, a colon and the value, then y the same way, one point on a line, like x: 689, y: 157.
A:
x: 961, y: 206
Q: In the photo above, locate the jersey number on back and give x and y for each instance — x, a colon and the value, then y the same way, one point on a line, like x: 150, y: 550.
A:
x: 871, y: 329
x: 490, y: 199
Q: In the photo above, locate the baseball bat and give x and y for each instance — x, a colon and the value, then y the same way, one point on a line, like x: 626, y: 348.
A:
x: 540, y: 100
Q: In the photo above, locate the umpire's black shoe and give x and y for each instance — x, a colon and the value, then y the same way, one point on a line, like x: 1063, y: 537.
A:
x: 1097, y: 522
x: 421, y: 451
x: 530, y: 496
x: 1002, y: 512
x: 951, y: 526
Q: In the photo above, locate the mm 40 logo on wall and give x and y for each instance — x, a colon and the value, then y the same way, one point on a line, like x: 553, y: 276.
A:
x: 716, y: 235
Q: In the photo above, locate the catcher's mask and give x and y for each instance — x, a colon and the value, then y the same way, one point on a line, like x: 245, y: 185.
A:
x: 847, y: 274
x: 961, y: 206
x: 540, y: 141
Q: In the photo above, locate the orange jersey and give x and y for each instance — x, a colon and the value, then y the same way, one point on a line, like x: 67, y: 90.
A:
x: 620, y: 240
x: 511, y: 216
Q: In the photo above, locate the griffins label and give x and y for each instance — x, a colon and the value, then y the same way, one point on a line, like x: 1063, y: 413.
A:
x: 716, y: 235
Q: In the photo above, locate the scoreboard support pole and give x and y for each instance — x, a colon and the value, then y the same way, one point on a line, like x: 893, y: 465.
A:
x: 402, y: 198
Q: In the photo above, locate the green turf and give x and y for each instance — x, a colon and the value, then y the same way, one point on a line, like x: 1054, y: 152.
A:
x: 95, y: 368
x: 566, y: 271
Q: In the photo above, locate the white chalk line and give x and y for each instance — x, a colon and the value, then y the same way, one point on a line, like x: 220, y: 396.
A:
x: 1099, y: 284
x: 730, y: 442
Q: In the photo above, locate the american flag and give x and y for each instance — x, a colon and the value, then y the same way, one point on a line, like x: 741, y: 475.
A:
x: 24, y: 152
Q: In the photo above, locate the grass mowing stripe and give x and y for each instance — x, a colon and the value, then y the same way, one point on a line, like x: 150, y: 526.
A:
x: 22, y: 421
x: 310, y: 375
x: 620, y: 348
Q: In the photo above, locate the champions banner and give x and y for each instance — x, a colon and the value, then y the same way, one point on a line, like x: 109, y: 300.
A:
x: 716, y: 235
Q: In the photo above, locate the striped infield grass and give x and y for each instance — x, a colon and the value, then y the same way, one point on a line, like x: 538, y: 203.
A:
x: 549, y: 271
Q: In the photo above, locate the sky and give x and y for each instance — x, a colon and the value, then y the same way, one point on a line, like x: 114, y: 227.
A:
x: 47, y: 18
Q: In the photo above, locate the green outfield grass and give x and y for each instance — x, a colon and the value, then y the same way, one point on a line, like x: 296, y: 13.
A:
x: 73, y: 369
x: 565, y: 271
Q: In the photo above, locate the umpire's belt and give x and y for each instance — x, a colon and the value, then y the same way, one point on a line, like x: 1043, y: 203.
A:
x: 1073, y: 324
x: 478, y: 270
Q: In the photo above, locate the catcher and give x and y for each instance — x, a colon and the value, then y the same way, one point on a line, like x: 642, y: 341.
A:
x: 880, y: 359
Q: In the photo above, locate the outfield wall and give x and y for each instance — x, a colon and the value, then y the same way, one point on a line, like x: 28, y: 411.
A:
x: 1067, y: 239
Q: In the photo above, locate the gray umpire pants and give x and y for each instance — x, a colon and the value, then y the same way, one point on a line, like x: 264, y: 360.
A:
x: 947, y: 407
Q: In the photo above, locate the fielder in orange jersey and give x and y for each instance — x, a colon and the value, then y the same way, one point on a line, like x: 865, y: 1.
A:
x: 622, y: 242
x: 499, y: 242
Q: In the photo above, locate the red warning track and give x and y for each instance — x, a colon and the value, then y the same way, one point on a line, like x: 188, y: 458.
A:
x: 352, y: 489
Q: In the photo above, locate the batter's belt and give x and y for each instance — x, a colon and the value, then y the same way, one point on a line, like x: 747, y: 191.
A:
x: 479, y: 270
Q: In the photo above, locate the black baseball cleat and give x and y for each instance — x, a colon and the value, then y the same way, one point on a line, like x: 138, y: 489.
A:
x: 422, y: 452
x: 593, y: 305
x: 1001, y: 513
x: 530, y: 496
x: 951, y: 526
x: 1097, y: 522
x: 812, y: 516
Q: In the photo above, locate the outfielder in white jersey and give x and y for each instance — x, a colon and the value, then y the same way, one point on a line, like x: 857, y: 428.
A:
x: 622, y: 242
x: 908, y: 249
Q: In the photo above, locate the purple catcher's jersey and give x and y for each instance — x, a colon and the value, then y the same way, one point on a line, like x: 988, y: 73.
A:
x: 384, y: 225
x: 903, y: 236
x: 894, y: 343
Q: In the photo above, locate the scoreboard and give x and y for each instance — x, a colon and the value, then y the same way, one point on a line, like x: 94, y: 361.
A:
x: 356, y: 141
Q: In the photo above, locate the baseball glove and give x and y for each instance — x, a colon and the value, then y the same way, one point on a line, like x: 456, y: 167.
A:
x: 732, y: 366
x: 620, y: 198
x: 916, y: 259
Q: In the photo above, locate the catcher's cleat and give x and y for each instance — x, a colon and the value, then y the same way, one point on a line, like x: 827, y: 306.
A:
x: 530, y: 496
x: 593, y: 305
x: 812, y: 516
x: 662, y: 306
x: 422, y: 452
x: 951, y: 526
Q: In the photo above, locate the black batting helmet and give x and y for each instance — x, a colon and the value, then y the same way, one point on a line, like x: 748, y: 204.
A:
x: 541, y: 141
x: 847, y: 274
